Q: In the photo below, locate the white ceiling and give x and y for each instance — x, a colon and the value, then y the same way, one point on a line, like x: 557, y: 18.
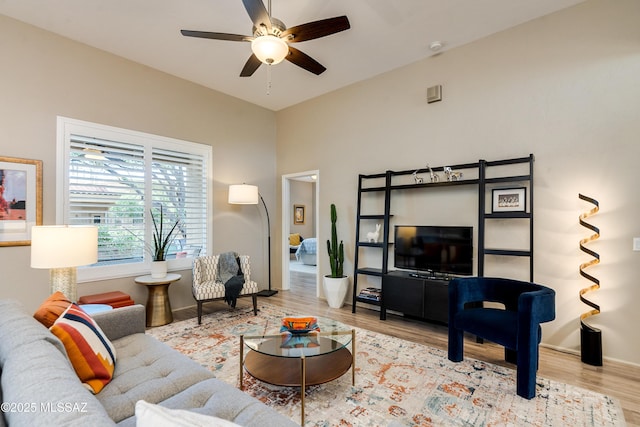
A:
x: 384, y: 35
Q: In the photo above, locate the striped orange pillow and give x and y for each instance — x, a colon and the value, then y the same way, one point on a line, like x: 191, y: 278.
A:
x: 92, y: 355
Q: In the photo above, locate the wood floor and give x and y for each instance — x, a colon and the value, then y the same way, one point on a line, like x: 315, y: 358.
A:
x: 615, y: 379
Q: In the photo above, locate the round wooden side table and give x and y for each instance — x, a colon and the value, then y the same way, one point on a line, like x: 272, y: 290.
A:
x: 158, y: 304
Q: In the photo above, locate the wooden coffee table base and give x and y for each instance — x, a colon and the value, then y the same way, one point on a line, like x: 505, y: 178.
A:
x: 286, y: 371
x: 299, y: 372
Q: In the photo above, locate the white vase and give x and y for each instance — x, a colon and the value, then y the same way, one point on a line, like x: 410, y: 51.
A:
x: 335, y: 289
x: 159, y: 269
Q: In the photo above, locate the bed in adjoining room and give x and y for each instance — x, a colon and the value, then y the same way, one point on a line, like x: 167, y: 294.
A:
x: 306, y: 252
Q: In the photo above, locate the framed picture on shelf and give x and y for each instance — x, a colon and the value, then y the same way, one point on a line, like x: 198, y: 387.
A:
x: 298, y: 214
x: 509, y: 200
x: 20, y: 200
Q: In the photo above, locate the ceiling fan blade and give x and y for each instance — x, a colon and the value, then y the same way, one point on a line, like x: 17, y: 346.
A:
x: 316, y: 29
x: 304, y: 61
x: 258, y: 13
x: 216, y: 36
x: 251, y: 66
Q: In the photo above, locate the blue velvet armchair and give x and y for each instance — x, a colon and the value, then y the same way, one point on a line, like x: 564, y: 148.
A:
x: 516, y: 327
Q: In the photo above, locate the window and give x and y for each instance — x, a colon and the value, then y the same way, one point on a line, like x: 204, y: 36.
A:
x: 115, y: 178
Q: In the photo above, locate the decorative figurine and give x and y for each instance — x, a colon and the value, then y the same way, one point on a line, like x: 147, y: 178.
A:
x: 372, y: 236
x: 451, y: 175
x: 434, y: 176
x: 418, y: 179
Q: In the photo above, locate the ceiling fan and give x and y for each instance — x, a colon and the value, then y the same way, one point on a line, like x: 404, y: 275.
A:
x: 271, y: 38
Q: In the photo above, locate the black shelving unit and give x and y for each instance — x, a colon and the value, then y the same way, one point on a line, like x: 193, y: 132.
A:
x: 383, y: 239
x: 525, y: 180
x: 484, y: 184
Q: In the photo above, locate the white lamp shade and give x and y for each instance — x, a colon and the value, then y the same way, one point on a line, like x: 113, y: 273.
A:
x: 269, y: 49
x: 243, y: 194
x: 61, y: 246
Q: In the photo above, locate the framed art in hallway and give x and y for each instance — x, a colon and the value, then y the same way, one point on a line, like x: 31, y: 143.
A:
x: 298, y: 214
x: 509, y: 199
x: 20, y: 200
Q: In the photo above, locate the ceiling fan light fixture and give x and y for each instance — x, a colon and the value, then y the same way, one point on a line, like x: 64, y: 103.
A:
x: 269, y: 49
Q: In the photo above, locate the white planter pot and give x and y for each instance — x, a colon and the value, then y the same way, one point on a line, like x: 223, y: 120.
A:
x: 335, y: 289
x: 159, y: 269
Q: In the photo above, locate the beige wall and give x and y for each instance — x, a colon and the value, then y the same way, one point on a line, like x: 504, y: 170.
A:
x: 43, y: 76
x: 564, y: 87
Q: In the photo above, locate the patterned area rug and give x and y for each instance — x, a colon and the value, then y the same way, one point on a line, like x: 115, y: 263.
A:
x: 398, y: 383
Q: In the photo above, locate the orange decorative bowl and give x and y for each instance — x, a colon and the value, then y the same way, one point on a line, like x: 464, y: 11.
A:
x: 299, y: 325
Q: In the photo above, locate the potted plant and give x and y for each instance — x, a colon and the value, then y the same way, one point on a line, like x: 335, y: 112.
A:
x: 161, y: 243
x: 335, y: 284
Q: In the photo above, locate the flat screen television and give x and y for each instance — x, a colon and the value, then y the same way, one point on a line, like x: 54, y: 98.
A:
x: 434, y: 249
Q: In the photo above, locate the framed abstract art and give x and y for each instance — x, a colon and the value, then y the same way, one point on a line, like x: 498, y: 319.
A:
x: 20, y: 200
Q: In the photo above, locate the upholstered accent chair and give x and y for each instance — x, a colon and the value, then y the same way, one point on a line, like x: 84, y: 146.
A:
x: 516, y: 327
x: 208, y: 287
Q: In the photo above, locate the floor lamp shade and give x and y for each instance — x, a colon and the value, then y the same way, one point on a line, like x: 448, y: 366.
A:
x: 61, y: 249
x: 243, y: 194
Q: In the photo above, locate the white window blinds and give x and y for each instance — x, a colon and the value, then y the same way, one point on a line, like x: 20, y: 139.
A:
x: 107, y: 189
x: 115, y: 178
x: 179, y: 181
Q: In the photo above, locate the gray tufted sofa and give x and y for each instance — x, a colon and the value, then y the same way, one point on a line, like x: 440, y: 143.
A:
x: 40, y: 387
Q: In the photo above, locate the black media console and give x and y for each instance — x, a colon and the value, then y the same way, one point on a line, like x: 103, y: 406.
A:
x: 419, y: 295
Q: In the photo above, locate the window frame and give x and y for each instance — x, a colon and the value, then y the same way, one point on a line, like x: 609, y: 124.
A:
x: 66, y: 127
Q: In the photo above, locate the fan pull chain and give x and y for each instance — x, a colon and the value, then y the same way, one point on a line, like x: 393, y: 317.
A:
x: 269, y: 65
x: 269, y: 79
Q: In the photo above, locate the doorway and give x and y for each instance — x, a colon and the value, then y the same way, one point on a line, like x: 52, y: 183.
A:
x: 300, y: 201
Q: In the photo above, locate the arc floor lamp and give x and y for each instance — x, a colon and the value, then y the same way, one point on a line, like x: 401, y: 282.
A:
x: 244, y: 194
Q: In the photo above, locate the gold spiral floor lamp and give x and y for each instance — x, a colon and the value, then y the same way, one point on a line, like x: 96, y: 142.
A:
x: 590, y: 337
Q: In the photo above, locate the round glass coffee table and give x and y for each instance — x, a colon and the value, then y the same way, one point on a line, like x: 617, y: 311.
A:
x: 300, y: 359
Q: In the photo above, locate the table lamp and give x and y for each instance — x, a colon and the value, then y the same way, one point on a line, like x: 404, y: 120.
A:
x: 244, y: 194
x: 62, y: 248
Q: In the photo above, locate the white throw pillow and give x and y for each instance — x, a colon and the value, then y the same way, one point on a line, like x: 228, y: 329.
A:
x: 150, y: 415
